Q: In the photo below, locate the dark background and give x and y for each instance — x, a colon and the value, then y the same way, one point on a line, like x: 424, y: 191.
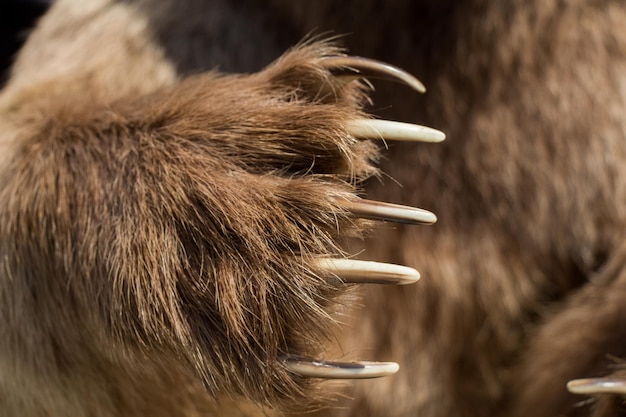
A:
x: 17, y: 17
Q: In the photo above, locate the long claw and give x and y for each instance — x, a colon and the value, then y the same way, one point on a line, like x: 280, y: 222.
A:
x: 378, y: 210
x: 591, y: 386
x: 366, y: 66
x: 314, y: 368
x: 385, y: 129
x: 367, y: 272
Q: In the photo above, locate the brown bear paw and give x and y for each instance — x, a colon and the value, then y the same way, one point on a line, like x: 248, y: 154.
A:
x: 288, y: 148
x: 209, y: 212
x: 332, y: 151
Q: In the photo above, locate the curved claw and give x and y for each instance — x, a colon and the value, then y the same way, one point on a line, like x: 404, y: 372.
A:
x: 367, y: 272
x: 314, y: 368
x: 591, y: 386
x: 377, y: 210
x: 386, y: 129
x: 366, y: 66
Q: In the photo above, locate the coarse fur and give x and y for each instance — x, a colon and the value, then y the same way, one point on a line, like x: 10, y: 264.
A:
x: 159, y: 225
x: 170, y: 223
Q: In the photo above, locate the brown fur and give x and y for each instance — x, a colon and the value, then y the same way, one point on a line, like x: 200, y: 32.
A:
x: 156, y: 228
x: 156, y: 235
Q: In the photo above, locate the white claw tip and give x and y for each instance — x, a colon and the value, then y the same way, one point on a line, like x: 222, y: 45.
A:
x: 368, y: 272
x: 313, y: 368
x: 366, y: 66
x: 378, y: 210
x: 591, y: 386
x: 385, y: 129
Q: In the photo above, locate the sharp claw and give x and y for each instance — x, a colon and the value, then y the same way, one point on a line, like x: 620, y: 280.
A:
x: 366, y: 272
x: 597, y: 386
x: 385, y: 129
x: 378, y: 210
x: 366, y: 66
x: 314, y: 368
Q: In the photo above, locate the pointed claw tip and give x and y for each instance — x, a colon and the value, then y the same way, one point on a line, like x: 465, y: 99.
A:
x: 313, y: 368
x: 390, y: 130
x: 353, y: 271
x: 378, y: 210
x: 364, y: 65
x: 590, y: 386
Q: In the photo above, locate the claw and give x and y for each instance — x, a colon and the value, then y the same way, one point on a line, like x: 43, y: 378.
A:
x: 314, y: 368
x: 597, y: 386
x: 366, y: 66
x: 377, y: 210
x: 367, y: 272
x: 385, y: 129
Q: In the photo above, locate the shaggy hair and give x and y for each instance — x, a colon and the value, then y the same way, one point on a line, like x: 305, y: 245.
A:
x: 160, y: 225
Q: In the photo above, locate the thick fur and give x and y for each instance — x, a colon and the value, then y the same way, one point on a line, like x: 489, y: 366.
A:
x: 157, y: 230
x: 157, y: 233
